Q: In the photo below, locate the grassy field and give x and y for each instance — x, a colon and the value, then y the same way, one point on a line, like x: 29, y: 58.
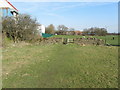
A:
x: 108, y: 38
x: 60, y: 66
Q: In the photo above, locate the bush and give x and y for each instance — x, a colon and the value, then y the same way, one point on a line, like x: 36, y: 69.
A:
x: 22, y: 28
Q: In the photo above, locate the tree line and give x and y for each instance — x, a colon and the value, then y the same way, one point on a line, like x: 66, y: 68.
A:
x: 64, y: 30
x: 61, y: 30
x: 95, y: 31
x: 24, y: 28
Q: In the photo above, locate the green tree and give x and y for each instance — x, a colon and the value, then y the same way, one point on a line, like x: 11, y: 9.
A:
x: 50, y: 29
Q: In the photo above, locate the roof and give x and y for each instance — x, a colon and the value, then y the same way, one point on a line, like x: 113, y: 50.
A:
x: 4, y: 4
x: 77, y: 31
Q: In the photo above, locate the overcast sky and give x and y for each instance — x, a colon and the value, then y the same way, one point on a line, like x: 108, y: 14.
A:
x: 78, y: 15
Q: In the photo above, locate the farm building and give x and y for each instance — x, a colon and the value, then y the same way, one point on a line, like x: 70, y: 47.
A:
x: 78, y: 32
x: 41, y: 29
x: 7, y: 9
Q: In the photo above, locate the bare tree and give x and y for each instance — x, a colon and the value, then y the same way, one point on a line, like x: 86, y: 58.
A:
x: 22, y: 29
x: 71, y: 29
x: 62, y: 29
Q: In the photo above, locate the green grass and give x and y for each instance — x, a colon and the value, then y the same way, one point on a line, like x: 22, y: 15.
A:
x: 108, y: 38
x: 60, y: 66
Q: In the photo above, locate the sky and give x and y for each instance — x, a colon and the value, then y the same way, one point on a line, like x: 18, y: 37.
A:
x: 78, y: 15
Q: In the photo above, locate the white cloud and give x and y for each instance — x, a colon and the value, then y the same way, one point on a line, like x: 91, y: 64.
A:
x: 82, y: 4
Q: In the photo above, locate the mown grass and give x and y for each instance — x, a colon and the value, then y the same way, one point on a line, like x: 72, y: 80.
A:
x: 108, y: 38
x: 60, y: 66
